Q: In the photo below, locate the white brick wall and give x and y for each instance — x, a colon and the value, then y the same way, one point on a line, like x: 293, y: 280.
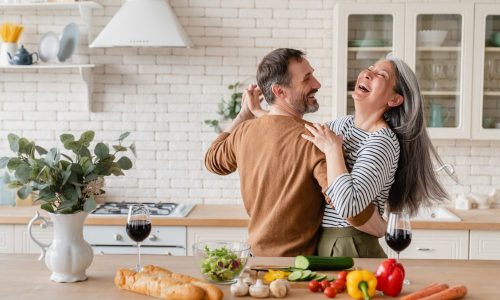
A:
x: 163, y: 95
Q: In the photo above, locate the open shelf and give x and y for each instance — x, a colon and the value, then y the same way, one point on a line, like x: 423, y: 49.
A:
x: 85, y: 73
x: 84, y: 7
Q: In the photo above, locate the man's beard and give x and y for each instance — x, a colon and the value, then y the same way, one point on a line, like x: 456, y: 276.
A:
x: 310, y: 108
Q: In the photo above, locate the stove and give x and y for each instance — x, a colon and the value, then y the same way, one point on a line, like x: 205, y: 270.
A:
x: 160, y: 209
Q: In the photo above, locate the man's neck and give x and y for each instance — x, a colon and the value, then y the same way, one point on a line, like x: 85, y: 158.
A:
x: 284, y: 110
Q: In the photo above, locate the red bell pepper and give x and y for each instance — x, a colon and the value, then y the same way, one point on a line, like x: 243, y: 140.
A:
x: 390, y: 275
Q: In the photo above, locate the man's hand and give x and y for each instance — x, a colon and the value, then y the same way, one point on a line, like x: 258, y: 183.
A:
x: 253, y: 95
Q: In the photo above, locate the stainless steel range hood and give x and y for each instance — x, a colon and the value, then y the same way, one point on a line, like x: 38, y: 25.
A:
x: 143, y: 23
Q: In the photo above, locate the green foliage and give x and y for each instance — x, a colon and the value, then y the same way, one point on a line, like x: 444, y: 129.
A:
x: 65, y: 185
x: 228, y: 110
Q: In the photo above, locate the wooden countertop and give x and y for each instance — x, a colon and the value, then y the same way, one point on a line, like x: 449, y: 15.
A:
x: 26, y: 278
x: 235, y: 216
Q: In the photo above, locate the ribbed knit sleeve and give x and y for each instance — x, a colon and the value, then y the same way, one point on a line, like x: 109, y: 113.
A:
x: 220, y: 157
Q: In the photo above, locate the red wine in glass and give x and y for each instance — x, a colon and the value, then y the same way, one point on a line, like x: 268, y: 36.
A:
x: 398, y: 233
x: 138, y: 228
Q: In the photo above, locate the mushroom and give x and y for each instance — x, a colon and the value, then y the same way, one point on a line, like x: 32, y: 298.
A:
x: 259, y: 290
x: 279, y: 288
x: 239, y: 289
x: 248, y: 280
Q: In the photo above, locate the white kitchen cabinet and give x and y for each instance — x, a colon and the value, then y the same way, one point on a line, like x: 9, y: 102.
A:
x: 7, y: 238
x: 24, y: 244
x: 203, y: 234
x: 434, y: 244
x: 484, y: 244
x: 486, y: 73
x: 368, y: 33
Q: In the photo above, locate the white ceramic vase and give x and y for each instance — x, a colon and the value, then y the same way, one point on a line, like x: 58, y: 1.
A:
x: 5, y: 50
x: 68, y: 255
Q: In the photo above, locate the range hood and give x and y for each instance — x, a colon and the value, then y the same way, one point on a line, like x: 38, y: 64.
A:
x: 143, y: 23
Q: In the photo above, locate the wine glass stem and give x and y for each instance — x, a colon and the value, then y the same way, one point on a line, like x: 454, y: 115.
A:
x: 138, y: 267
x: 397, y: 253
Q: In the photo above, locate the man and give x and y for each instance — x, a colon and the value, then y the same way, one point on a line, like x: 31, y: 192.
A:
x: 282, y: 176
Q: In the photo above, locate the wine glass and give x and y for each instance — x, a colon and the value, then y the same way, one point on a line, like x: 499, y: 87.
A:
x: 398, y: 233
x: 138, y: 228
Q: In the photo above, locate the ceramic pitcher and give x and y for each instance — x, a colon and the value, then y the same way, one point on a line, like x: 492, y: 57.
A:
x: 68, y: 255
x: 439, y: 115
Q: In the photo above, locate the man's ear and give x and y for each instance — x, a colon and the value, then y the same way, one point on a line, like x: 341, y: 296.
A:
x: 278, y: 91
x: 396, y: 101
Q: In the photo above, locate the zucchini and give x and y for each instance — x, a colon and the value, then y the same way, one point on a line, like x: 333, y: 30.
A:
x: 323, y: 262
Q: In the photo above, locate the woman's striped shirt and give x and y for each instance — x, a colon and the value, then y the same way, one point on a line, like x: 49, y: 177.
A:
x: 371, y: 160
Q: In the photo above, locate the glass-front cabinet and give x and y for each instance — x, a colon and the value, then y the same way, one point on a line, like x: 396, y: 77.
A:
x: 486, y: 73
x: 436, y: 40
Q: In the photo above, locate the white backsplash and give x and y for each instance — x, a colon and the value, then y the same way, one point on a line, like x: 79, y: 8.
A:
x: 163, y: 95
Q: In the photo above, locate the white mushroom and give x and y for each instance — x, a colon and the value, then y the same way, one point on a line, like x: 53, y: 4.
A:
x: 248, y: 280
x: 259, y: 290
x: 279, y: 288
x: 239, y: 289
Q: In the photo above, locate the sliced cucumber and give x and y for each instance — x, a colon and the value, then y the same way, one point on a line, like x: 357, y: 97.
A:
x: 295, y: 275
x: 319, y: 277
x: 330, y: 278
x: 305, y: 274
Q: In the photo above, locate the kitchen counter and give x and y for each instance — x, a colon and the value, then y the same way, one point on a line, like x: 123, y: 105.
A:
x: 235, y: 216
x: 26, y: 278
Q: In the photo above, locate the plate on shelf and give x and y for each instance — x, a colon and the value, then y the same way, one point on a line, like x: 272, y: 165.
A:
x: 48, y: 47
x: 367, y: 43
x: 68, y: 42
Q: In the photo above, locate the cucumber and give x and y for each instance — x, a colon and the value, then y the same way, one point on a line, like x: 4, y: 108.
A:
x: 323, y: 262
x: 330, y: 278
x: 311, y: 276
x: 305, y: 274
x: 295, y: 275
x: 320, y: 277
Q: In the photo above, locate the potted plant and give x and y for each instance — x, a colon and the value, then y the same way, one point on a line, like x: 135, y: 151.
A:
x: 67, y: 187
x: 227, y: 110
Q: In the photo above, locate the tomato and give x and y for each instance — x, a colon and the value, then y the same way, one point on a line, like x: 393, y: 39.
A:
x: 330, y: 292
x: 342, y: 275
x: 338, y: 285
x: 325, y: 283
x: 314, y: 286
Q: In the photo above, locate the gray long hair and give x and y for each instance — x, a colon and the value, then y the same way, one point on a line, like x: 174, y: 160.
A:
x: 415, y: 182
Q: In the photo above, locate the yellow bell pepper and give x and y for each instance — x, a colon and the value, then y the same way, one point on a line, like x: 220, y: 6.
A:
x: 361, y: 284
x: 272, y: 275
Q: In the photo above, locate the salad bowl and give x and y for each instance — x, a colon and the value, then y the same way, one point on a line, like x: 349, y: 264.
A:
x: 221, y: 261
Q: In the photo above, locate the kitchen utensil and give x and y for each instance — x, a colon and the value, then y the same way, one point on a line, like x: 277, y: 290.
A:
x: 221, y: 261
x: 22, y: 57
x: 48, y: 48
x: 68, y: 42
x: 5, y: 50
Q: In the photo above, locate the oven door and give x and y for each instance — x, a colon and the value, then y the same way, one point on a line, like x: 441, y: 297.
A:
x: 113, y: 249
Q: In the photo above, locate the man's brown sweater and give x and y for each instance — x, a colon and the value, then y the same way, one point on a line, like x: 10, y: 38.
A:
x: 282, y: 179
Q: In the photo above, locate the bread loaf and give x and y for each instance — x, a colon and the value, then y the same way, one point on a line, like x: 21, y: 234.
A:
x: 211, y: 291
x: 160, y: 287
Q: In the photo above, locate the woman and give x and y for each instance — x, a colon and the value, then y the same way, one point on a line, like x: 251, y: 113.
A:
x: 387, y: 158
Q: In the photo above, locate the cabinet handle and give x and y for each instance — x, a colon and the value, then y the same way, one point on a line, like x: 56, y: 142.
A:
x: 101, y: 252
x: 168, y: 253
x: 118, y: 237
x: 152, y: 237
x: 423, y: 249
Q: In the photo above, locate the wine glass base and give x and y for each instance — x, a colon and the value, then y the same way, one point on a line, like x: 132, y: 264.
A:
x: 406, y: 282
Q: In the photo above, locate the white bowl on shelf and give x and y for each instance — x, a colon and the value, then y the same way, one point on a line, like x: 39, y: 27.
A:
x: 431, y: 38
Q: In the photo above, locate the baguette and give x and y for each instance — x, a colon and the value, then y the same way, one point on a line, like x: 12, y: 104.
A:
x: 164, y: 288
x: 211, y: 291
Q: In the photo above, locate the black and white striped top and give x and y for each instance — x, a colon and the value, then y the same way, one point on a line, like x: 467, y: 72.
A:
x: 371, y: 160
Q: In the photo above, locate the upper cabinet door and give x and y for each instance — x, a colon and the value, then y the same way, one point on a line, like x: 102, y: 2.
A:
x: 439, y: 45
x: 486, y: 85
x: 364, y: 33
